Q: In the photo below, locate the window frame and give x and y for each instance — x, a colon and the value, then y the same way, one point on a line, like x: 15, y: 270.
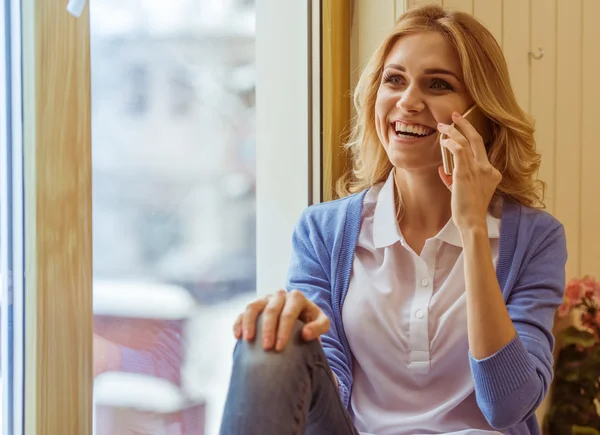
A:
x: 57, y: 219
x: 11, y: 219
x: 287, y: 163
x: 57, y: 393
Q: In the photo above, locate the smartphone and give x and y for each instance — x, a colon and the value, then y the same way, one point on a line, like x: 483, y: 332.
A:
x: 483, y: 126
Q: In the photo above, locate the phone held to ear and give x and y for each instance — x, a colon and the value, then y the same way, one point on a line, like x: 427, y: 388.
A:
x: 483, y: 126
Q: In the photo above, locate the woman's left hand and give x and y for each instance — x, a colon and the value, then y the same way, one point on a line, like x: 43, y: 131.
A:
x: 474, y: 179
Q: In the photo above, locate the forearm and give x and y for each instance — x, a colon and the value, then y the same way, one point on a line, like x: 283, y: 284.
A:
x: 490, y: 327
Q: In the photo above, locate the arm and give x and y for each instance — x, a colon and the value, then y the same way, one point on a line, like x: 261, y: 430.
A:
x: 511, y: 347
x: 512, y: 374
x: 490, y: 327
x: 309, y: 272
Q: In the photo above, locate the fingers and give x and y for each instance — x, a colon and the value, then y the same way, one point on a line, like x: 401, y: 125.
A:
x: 451, y: 133
x: 237, y: 326
x: 295, y: 303
x: 280, y: 312
x: 317, y: 327
x: 462, y: 155
x: 474, y: 139
x: 270, y: 318
x: 250, y: 316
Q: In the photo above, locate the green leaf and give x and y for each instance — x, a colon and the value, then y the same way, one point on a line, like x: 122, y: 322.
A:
x: 572, y: 335
x: 584, y: 430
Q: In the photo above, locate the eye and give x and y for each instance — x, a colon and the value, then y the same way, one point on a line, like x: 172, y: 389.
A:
x: 393, y: 79
x: 441, y: 85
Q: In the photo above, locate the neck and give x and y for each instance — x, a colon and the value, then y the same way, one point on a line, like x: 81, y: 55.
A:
x: 425, y: 201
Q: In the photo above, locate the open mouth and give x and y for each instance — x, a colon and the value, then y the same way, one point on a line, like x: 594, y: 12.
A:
x: 412, y: 130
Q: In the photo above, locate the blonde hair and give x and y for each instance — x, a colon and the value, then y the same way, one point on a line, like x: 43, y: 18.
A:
x: 487, y: 80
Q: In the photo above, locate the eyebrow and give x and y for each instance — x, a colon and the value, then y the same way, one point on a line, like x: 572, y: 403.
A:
x: 427, y: 71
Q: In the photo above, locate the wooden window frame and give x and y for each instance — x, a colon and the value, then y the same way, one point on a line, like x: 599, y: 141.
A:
x: 57, y: 223
x: 57, y: 179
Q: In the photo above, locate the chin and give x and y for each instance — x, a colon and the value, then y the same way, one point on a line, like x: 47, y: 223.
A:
x: 420, y: 154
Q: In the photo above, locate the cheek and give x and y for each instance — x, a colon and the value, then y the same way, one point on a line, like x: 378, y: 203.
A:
x: 380, y: 106
x: 380, y: 119
x: 443, y: 113
x: 384, y: 106
x: 381, y: 111
x: 442, y: 110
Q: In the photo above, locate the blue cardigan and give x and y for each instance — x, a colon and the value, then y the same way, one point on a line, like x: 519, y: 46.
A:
x: 510, y: 384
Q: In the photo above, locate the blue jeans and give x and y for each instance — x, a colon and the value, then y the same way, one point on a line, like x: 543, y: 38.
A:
x: 279, y: 393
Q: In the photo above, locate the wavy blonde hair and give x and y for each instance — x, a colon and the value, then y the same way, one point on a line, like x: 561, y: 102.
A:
x: 512, y: 151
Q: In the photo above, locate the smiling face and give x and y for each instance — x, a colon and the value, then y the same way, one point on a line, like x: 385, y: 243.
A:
x: 421, y: 85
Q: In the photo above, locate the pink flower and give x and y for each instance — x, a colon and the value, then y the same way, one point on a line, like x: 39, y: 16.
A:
x: 574, y: 292
x: 581, y: 293
x: 591, y: 287
x: 564, y: 309
x: 587, y: 319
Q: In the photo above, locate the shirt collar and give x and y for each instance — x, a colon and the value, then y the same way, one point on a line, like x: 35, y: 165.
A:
x: 451, y: 235
x: 385, y: 223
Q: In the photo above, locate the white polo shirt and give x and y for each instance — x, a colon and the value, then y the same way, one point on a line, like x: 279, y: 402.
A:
x: 406, y: 322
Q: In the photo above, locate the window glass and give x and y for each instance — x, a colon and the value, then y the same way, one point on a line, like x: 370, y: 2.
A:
x: 173, y: 145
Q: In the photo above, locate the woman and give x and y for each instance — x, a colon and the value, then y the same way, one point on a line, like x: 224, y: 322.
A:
x: 433, y: 296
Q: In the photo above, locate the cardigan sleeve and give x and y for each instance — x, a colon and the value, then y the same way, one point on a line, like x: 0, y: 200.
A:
x: 511, y: 384
x: 310, y: 273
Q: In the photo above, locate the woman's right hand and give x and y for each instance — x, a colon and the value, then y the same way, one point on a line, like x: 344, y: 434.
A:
x: 279, y: 313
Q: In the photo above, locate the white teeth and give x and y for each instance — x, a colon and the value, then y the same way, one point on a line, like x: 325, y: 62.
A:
x: 410, y: 128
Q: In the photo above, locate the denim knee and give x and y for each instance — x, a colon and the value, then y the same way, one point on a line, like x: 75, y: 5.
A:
x: 259, y: 364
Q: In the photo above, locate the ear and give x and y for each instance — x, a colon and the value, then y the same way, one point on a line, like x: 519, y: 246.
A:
x: 446, y: 179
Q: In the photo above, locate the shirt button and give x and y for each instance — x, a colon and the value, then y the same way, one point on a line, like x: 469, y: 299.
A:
x: 419, y: 314
x: 424, y: 282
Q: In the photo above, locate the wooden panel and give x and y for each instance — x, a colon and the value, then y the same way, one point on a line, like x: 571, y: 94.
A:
x: 417, y: 3
x: 516, y: 47
x: 490, y: 14
x: 459, y: 5
x: 374, y: 25
x: 57, y: 141
x: 590, y: 157
x: 543, y: 89
x: 568, y: 134
x: 400, y: 7
x: 336, y: 99
x: 371, y: 23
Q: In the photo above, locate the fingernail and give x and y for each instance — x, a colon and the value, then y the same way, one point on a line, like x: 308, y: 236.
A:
x: 441, y: 125
x: 456, y: 115
x: 279, y: 344
x: 266, y: 342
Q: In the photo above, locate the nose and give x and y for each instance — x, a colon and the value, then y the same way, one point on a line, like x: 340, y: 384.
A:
x: 411, y: 100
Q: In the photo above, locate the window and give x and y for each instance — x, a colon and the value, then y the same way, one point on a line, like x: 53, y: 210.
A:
x: 139, y: 82
x: 174, y: 210
x: 178, y: 245
x: 183, y: 93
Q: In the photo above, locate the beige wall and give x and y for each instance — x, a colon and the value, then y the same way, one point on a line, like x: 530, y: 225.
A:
x: 559, y: 90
